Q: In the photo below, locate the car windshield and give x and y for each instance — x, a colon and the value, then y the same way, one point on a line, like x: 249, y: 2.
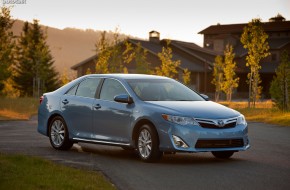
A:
x: 162, y: 90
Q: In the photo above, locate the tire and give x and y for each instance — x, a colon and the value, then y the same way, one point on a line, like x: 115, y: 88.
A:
x: 58, y: 134
x: 148, y: 144
x: 223, y: 154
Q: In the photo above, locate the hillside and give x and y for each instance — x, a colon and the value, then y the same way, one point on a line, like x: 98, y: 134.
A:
x: 68, y: 46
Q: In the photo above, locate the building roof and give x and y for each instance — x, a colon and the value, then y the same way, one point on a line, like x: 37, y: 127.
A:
x: 193, y: 51
x: 278, y: 43
x: 155, y: 48
x: 238, y: 28
x: 74, y: 67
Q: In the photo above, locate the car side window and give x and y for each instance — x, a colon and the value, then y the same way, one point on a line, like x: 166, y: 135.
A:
x: 111, y: 88
x: 73, y: 90
x: 88, y: 87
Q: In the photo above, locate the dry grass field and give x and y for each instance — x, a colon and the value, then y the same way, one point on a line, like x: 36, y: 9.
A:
x: 264, y: 112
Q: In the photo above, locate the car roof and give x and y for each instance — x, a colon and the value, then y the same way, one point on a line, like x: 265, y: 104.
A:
x: 66, y: 87
x: 127, y: 76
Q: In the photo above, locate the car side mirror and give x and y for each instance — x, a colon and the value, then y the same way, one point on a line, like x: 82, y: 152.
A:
x: 205, y: 97
x: 123, y: 98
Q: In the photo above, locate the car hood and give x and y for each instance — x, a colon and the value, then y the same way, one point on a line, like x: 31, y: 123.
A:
x: 197, y: 109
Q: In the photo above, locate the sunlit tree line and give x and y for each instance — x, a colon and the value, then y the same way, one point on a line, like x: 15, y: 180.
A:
x: 115, y: 57
x: 254, y: 39
x: 26, y: 64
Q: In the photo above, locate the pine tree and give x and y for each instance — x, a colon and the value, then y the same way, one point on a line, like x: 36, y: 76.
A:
x: 35, y: 73
x: 255, y: 40
x: 230, y: 81
x: 7, y: 45
x: 280, y: 86
x: 218, y: 73
x: 168, y: 66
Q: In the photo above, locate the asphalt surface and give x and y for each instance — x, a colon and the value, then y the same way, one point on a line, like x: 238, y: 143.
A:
x: 266, y: 165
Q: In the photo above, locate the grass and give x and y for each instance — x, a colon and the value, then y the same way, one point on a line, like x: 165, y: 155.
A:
x: 264, y: 112
x: 29, y: 173
x: 17, y: 108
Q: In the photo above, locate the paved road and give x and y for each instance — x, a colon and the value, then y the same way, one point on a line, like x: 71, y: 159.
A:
x: 265, y: 166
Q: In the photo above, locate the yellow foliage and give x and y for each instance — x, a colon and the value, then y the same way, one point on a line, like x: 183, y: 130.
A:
x: 9, y: 90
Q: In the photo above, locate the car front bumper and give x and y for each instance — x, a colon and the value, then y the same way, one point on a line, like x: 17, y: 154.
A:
x: 198, y: 139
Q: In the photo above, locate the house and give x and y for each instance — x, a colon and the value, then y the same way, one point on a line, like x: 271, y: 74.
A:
x: 216, y: 37
x: 197, y: 60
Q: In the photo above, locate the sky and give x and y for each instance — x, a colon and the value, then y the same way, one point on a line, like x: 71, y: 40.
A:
x: 174, y: 19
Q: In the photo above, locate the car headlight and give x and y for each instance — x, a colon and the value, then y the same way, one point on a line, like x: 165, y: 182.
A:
x: 180, y: 120
x: 241, y: 120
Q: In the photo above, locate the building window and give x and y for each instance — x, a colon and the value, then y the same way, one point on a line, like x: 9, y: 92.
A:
x: 274, y: 57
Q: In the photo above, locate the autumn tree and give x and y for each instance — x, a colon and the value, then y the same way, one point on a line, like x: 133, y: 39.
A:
x: 168, y: 66
x: 35, y: 72
x: 186, y: 76
x: 218, y: 73
x: 110, y: 58
x: 280, y: 86
x: 128, y: 54
x: 254, y: 40
x: 116, y: 62
x: 230, y: 80
x: 7, y: 45
x: 64, y: 79
x: 102, y: 49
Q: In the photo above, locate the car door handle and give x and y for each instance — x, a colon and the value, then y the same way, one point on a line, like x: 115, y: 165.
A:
x: 65, y: 101
x: 97, y: 106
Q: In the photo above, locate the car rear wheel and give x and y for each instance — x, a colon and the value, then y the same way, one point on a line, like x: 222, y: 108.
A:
x: 148, y: 144
x: 58, y: 134
x: 222, y: 154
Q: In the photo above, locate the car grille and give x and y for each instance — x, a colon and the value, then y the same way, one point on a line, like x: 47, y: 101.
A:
x: 224, y: 143
x: 214, y: 124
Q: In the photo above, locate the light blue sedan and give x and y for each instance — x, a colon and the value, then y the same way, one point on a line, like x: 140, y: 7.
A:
x: 150, y: 114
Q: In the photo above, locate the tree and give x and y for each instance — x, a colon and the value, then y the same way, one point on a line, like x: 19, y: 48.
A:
x: 230, y: 81
x: 64, y: 79
x: 142, y: 66
x: 254, y: 40
x: 168, y: 66
x: 218, y: 73
x: 110, y: 58
x: 186, y: 76
x: 35, y: 73
x: 129, y: 53
x: 116, y: 62
x: 280, y: 86
x: 102, y: 63
x: 7, y: 46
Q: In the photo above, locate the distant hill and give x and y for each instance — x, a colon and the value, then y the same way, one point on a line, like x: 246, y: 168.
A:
x: 68, y: 46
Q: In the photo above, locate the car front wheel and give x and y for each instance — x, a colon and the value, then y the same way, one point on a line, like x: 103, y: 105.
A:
x: 58, y: 134
x: 222, y: 154
x: 147, y: 144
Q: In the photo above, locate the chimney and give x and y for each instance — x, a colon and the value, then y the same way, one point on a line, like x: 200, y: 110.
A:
x: 154, y: 36
x: 278, y: 18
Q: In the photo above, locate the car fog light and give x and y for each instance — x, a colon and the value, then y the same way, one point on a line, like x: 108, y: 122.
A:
x: 179, y: 142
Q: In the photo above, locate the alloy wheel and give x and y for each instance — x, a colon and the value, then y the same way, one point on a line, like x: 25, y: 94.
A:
x: 145, y: 143
x: 57, y: 133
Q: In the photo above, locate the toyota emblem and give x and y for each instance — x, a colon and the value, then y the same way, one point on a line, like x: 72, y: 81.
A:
x: 221, y: 123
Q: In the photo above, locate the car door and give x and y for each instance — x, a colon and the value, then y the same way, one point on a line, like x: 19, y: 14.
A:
x: 77, y: 107
x: 112, y: 120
